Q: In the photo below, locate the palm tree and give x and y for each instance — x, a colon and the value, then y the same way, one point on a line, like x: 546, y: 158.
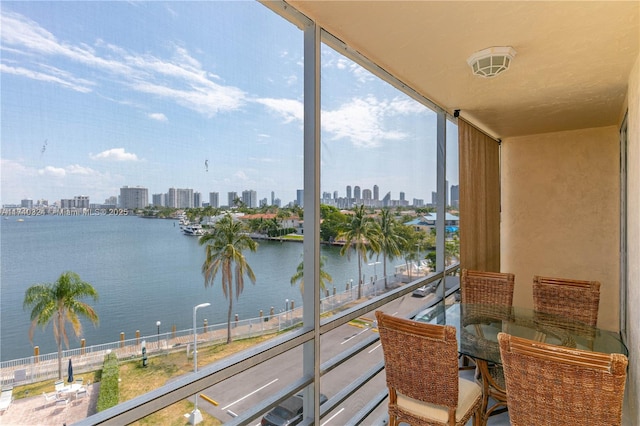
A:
x: 223, y: 248
x: 390, y: 239
x: 60, y: 301
x: 413, y: 243
x: 299, y: 275
x: 363, y: 233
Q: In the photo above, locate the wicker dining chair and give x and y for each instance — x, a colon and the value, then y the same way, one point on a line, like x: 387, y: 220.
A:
x: 559, y: 386
x: 495, y: 289
x: 575, y: 299
x: 489, y: 288
x: 421, y: 367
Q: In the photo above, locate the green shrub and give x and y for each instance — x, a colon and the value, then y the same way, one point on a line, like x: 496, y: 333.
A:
x: 109, y: 386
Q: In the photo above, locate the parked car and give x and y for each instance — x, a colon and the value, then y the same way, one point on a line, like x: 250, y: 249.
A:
x: 288, y: 413
x: 424, y: 290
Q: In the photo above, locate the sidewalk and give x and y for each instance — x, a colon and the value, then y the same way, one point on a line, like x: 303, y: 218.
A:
x: 34, y: 411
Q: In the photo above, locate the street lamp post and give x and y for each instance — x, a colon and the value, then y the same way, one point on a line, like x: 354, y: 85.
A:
x: 158, y: 339
x: 196, y: 416
x: 374, y: 268
x: 286, y: 311
x: 375, y: 274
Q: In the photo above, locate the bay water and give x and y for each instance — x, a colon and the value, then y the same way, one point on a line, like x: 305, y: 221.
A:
x: 145, y: 270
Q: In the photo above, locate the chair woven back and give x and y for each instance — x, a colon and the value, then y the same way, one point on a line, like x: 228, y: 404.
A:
x: 491, y: 288
x: 554, y: 385
x: 421, y: 360
x: 575, y: 299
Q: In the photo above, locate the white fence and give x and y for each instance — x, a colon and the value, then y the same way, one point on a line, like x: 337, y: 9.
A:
x: 44, y: 367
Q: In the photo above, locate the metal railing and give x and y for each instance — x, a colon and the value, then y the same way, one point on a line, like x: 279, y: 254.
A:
x: 45, y: 366
x: 213, y: 374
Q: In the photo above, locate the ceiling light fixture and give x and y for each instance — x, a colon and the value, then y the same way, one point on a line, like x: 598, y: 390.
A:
x: 492, y: 61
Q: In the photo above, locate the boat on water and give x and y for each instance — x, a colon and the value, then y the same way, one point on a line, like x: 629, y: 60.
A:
x: 194, y: 229
x: 182, y: 222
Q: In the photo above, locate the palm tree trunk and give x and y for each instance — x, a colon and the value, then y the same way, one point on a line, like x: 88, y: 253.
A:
x: 59, y: 342
x: 229, y: 318
x: 384, y: 269
x: 359, y: 275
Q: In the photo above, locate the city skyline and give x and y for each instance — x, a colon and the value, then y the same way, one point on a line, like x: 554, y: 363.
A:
x: 97, y: 96
x: 373, y: 194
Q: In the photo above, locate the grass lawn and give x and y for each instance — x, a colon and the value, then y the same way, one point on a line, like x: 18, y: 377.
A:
x: 136, y: 380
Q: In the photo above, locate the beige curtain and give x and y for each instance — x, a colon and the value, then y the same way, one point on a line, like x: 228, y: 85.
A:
x: 479, y: 157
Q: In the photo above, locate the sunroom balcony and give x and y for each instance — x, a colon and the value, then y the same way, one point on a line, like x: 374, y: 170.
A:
x: 351, y: 377
x: 564, y: 125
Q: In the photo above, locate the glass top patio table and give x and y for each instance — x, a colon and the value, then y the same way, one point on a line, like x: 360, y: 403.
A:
x: 477, y: 328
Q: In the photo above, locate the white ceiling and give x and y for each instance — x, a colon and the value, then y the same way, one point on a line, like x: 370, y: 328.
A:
x: 571, y: 68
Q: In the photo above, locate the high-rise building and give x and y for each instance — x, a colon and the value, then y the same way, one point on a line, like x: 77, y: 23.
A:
x: 159, y: 200
x: 180, y: 198
x: 214, y: 200
x: 335, y: 195
x: 376, y: 192
x: 401, y: 196
x: 386, y: 201
x: 231, y: 197
x: 26, y: 204
x: 134, y: 197
x: 250, y: 198
x: 81, y: 201
x: 172, y: 198
x: 300, y: 197
x: 366, y: 194
x: 455, y: 195
x: 185, y: 198
x: 356, y: 193
x: 273, y: 198
x: 348, y: 192
x: 197, y: 199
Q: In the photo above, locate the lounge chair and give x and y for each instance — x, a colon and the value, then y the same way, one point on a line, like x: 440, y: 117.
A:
x: 48, y: 399
x: 5, y: 399
x: 61, y: 401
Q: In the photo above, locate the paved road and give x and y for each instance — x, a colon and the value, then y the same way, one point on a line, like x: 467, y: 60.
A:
x: 249, y: 387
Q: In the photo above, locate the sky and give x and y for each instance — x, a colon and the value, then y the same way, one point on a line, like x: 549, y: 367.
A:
x: 204, y: 95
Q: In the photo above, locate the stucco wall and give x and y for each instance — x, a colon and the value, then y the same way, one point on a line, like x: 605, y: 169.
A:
x: 560, y: 212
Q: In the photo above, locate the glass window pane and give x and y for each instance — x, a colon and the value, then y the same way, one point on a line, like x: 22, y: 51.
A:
x: 116, y: 110
x: 378, y: 153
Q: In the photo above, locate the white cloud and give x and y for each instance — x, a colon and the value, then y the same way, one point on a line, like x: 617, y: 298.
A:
x: 241, y: 175
x: 180, y: 79
x: 115, y: 154
x: 207, y: 101
x: 289, y: 109
x: 76, y: 169
x: 406, y: 106
x: 54, y: 172
x: 158, y: 116
x: 362, y: 121
x: 69, y: 81
x: 361, y: 75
